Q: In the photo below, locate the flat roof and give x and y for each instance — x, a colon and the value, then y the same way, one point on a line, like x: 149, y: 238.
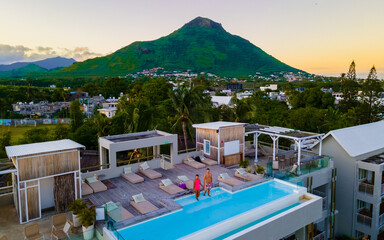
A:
x: 42, y: 147
x: 281, y: 131
x: 135, y: 136
x: 217, y: 125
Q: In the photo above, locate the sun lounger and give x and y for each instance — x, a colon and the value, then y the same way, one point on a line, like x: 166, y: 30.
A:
x: 96, y: 184
x: 32, y: 232
x: 241, y: 173
x: 188, y: 183
x: 150, y: 173
x: 192, y: 163
x: 131, y: 176
x: 141, y: 205
x: 85, y: 189
x: 169, y: 187
x: 225, y: 178
x: 117, y: 213
x: 208, y: 161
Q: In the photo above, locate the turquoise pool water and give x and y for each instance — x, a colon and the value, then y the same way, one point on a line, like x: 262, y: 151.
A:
x: 197, y: 215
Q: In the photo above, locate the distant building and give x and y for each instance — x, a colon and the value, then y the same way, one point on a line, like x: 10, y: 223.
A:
x: 221, y: 100
x: 234, y: 86
x: 272, y: 87
x: 39, y: 109
x: 109, y: 112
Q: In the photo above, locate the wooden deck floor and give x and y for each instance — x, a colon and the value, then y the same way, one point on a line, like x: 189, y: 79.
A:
x: 150, y: 188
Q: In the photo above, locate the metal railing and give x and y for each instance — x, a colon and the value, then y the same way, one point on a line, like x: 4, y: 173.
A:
x: 366, y: 188
x: 320, y: 236
x: 186, y: 150
x: 6, y: 190
x: 363, y: 219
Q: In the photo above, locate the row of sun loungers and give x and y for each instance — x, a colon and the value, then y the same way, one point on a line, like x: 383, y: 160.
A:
x: 240, y: 173
x: 197, y: 165
x: 92, y: 185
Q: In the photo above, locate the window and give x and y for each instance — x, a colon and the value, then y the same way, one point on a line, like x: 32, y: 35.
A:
x: 207, y: 146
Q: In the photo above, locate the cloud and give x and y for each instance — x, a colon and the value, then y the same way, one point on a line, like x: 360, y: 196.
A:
x: 10, y: 54
x: 80, y: 53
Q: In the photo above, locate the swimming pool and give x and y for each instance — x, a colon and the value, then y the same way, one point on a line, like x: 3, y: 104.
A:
x: 223, y: 206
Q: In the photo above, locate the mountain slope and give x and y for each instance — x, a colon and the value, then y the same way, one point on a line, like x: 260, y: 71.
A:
x: 49, y: 63
x: 201, y: 45
x: 23, y: 71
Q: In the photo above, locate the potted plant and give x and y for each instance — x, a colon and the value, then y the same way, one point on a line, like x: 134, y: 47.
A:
x: 260, y: 169
x: 87, y: 218
x: 77, y: 207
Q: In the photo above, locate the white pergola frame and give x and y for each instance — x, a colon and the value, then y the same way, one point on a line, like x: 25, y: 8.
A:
x: 275, y: 138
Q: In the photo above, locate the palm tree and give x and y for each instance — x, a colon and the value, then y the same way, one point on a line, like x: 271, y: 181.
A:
x: 185, y: 102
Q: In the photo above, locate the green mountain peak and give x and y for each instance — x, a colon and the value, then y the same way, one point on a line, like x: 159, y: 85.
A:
x: 201, y: 45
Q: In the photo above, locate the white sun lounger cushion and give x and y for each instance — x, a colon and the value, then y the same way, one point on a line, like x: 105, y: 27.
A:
x: 225, y: 175
x: 111, y: 206
x: 144, y: 166
x: 242, y: 172
x: 92, y: 179
x: 190, y: 159
x: 138, y: 198
x: 167, y: 182
x: 127, y: 170
x: 183, y: 178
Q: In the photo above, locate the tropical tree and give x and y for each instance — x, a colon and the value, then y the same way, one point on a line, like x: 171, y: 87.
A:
x: 76, y: 115
x: 186, y: 103
x: 371, y: 93
x: 349, y: 88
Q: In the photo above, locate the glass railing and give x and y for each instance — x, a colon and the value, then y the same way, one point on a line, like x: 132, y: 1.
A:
x: 323, y: 195
x: 366, y: 188
x: 363, y: 219
x: 381, y: 220
x: 320, y: 236
x: 292, y: 172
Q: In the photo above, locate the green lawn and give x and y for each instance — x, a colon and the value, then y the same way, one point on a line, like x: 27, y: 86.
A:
x: 18, y: 131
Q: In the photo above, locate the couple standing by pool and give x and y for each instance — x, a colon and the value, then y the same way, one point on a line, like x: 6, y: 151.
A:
x: 207, y: 184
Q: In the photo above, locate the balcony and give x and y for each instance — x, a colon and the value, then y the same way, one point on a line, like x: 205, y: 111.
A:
x: 364, y: 216
x: 382, y: 189
x: 381, y: 220
x: 325, y: 198
x: 319, y: 235
x: 366, y: 188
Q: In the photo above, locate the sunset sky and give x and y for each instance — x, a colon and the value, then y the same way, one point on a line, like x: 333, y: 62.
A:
x: 320, y: 37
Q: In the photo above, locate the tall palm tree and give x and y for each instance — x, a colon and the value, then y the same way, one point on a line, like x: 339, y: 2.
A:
x: 185, y: 102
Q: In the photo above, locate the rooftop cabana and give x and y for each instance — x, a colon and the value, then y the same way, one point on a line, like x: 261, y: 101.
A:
x: 221, y: 141
x: 117, y: 151
x: 302, y: 140
x: 47, y: 175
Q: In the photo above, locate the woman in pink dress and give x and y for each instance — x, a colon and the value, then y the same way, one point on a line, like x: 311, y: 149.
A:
x: 196, y: 186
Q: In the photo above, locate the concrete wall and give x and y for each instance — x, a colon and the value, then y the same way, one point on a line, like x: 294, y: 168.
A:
x: 283, y: 224
x: 345, y: 187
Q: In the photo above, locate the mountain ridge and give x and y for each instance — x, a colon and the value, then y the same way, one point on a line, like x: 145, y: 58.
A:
x: 200, y: 45
x: 48, y: 63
